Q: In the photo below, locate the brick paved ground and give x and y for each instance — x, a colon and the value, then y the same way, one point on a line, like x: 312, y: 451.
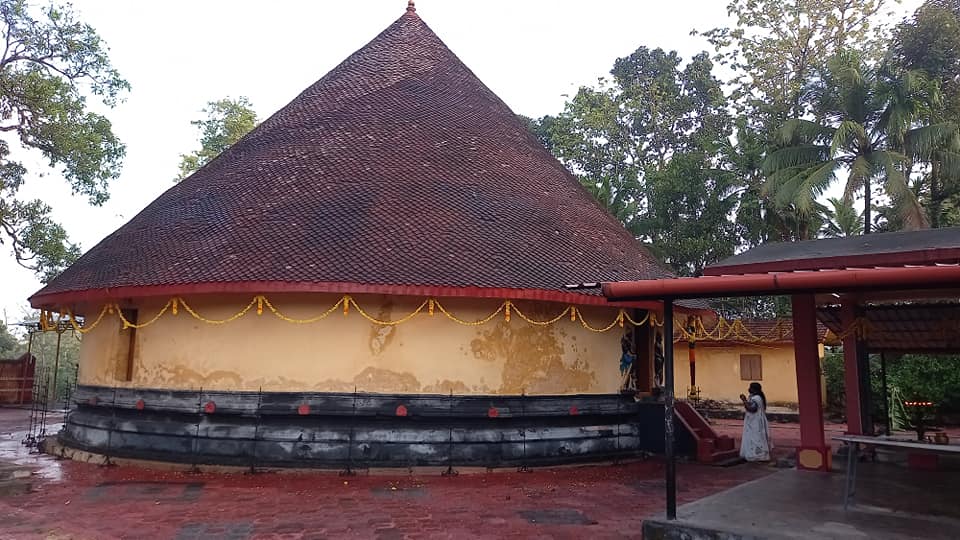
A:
x: 786, y: 437
x: 77, y: 500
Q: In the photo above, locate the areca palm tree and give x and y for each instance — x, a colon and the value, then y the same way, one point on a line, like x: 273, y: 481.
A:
x: 870, y: 127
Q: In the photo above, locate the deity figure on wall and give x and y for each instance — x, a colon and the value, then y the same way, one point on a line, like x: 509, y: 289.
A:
x: 658, y: 359
x: 628, y: 356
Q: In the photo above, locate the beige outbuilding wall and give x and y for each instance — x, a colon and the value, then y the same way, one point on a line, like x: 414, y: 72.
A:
x: 427, y: 354
x: 719, y: 376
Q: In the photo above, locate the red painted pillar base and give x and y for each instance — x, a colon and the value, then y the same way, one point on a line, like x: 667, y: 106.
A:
x: 813, y: 454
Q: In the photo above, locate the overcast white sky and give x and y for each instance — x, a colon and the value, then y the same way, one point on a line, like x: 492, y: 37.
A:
x: 180, y: 54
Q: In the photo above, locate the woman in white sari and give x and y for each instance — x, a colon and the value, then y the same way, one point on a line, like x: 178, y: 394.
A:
x: 755, y: 445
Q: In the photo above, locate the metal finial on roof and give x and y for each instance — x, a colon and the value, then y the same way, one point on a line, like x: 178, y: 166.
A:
x: 411, y: 7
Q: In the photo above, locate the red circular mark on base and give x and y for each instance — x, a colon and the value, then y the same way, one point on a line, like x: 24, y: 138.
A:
x: 303, y: 409
x: 492, y: 412
x: 93, y: 400
x: 574, y: 410
x: 210, y: 407
x: 140, y: 405
x: 401, y: 410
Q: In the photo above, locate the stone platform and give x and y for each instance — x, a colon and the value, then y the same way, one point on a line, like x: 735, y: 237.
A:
x: 891, y: 503
x: 362, y: 430
x: 74, y: 500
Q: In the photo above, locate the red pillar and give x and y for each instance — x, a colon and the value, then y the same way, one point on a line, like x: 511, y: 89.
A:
x: 813, y: 453
x: 851, y: 367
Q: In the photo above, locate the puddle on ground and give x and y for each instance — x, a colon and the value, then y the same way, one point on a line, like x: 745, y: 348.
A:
x: 15, y: 429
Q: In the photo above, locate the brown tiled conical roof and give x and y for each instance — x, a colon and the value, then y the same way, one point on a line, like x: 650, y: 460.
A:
x: 397, y: 172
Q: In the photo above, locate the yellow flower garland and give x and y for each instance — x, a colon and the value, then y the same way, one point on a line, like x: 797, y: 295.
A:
x: 723, y: 331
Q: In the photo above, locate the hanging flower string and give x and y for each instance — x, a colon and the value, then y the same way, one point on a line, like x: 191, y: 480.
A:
x: 724, y: 330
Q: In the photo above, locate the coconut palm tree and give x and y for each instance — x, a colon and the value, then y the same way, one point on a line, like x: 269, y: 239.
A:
x: 869, y: 126
x: 841, y: 219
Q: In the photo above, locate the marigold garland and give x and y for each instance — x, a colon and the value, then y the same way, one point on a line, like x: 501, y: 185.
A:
x: 724, y: 330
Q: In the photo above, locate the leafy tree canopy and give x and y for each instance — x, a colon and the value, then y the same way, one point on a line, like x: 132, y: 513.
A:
x: 647, y: 139
x: 227, y: 121
x: 841, y: 219
x: 51, y: 63
x: 873, y: 126
x: 8, y: 342
x: 778, y: 46
x: 929, y: 43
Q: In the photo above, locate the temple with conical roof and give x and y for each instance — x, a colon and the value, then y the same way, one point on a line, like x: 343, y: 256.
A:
x: 375, y: 275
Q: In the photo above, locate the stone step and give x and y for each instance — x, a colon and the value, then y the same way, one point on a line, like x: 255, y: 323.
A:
x: 14, y: 487
x: 728, y: 461
x: 12, y: 472
x: 726, y: 458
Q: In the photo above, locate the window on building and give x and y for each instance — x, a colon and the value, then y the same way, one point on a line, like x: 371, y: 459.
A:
x: 751, y: 367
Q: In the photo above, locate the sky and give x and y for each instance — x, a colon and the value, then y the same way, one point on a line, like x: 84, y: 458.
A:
x: 178, y: 55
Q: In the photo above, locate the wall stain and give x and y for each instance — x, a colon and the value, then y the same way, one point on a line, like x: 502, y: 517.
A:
x: 382, y: 336
x: 375, y: 379
x: 481, y: 348
x: 277, y: 383
x: 533, y: 359
x: 180, y: 376
x: 446, y: 387
x: 334, y: 385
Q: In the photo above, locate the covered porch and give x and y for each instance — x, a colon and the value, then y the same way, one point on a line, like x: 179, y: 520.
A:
x: 893, y: 503
x: 882, y: 293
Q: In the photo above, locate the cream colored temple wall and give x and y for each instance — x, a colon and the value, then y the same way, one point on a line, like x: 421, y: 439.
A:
x: 428, y: 354
x: 718, y: 372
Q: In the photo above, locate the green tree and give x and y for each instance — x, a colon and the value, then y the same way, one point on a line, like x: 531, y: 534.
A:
x: 44, y: 349
x: 8, y: 342
x: 841, y: 219
x: 776, y: 50
x: 227, y: 121
x: 649, y: 144
x: 929, y: 42
x: 870, y: 129
x: 777, y: 47
x: 687, y: 217
x: 51, y: 62
x: 921, y: 377
x: 587, y: 138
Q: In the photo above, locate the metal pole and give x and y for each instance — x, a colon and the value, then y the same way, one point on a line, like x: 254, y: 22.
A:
x: 523, y: 431
x: 30, y: 360
x: 886, y: 396
x: 256, y: 433
x: 353, y: 423
x: 450, y: 470
x: 56, y: 365
x: 43, y: 410
x: 668, y: 408
x: 863, y: 363
x: 111, y: 427
x: 195, y: 447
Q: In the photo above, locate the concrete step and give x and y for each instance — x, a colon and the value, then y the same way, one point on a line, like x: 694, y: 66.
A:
x: 728, y: 461
x: 14, y: 487
x: 14, y: 479
x: 726, y: 458
x: 11, y: 472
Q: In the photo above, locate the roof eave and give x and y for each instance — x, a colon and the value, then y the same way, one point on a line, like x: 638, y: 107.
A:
x: 63, y: 299
x: 892, y: 259
x: 782, y: 283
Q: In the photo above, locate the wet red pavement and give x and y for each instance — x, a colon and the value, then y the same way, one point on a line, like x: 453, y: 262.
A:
x: 80, y: 501
x: 786, y: 437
